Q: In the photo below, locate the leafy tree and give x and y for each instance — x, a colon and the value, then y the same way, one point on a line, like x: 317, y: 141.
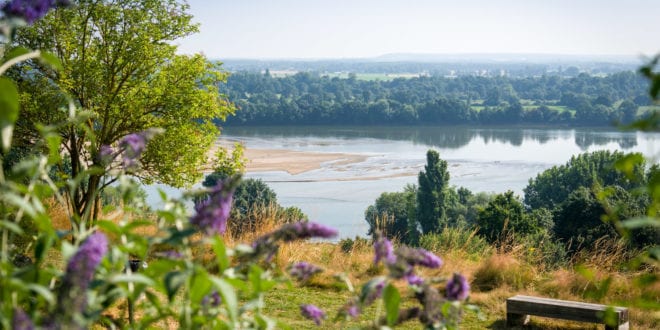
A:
x: 505, y: 213
x: 432, y: 194
x: 389, y: 215
x: 120, y: 65
x: 551, y: 187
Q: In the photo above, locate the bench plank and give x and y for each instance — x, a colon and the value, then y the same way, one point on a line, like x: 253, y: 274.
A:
x: 519, y: 307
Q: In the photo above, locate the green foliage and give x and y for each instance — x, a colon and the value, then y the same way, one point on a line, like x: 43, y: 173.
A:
x: 432, y: 194
x: 552, y: 187
x: 390, y: 215
x: 456, y: 239
x: 119, y: 63
x: 504, y: 215
x: 310, y: 98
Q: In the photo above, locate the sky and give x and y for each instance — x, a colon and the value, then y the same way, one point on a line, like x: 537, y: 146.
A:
x: 317, y: 29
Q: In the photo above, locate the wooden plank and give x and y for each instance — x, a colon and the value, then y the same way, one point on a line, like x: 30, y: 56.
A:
x: 562, y: 309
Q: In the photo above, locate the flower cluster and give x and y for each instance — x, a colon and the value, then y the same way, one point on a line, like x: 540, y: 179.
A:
x: 31, y: 10
x: 72, y: 297
x: 130, y: 149
x: 21, y: 321
x: 383, y: 250
x: 212, y: 213
x: 133, y: 145
x: 457, y: 288
x: 212, y: 299
x: 313, y: 313
x: 81, y: 267
x: 303, y: 271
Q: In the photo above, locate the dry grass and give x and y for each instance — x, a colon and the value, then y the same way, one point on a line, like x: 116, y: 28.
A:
x: 504, y: 271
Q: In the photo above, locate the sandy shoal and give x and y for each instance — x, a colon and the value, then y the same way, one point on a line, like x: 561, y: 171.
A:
x: 295, y: 162
x: 290, y: 161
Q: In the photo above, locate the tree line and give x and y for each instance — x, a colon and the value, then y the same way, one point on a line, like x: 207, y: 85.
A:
x: 314, y: 99
x: 564, y: 209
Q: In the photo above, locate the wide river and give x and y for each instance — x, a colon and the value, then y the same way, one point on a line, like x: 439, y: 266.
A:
x: 480, y: 159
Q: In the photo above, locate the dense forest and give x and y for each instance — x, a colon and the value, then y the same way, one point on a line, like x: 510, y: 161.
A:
x: 312, y: 98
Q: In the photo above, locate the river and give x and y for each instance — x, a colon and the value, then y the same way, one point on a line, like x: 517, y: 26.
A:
x: 480, y: 159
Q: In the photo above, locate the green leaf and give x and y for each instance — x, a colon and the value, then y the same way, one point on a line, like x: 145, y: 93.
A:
x: 51, y: 60
x: 640, y: 222
x: 220, y: 253
x: 16, y: 52
x: 200, y: 287
x: 109, y: 226
x: 11, y: 226
x: 42, y: 291
x: 228, y: 297
x: 174, y: 281
x: 392, y: 298
x: 44, y: 243
x: 132, y: 278
x: 8, y: 110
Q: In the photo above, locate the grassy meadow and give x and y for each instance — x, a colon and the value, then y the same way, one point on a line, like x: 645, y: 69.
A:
x: 495, y: 273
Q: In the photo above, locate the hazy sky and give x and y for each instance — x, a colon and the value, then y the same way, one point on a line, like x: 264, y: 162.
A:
x: 368, y: 28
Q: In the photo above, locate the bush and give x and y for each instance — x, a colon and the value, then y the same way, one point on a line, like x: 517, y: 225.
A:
x: 456, y: 239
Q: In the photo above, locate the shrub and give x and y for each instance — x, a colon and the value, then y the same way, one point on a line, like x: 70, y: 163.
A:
x: 456, y: 239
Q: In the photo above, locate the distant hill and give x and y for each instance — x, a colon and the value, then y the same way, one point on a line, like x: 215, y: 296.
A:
x: 514, y: 65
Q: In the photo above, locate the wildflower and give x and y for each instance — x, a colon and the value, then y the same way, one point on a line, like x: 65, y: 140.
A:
x: 81, y: 267
x: 31, y: 10
x: 21, y: 321
x: 213, y: 212
x: 313, y: 313
x: 414, y: 279
x: 213, y: 299
x: 303, y: 271
x: 79, y: 274
x: 106, y: 154
x: 457, y: 288
x: 383, y: 251
x: 304, y: 230
x: 353, y: 310
x: 372, y: 291
x: 421, y: 257
x: 132, y: 145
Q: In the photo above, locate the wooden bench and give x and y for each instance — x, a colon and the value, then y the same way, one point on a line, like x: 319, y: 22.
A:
x: 519, y: 308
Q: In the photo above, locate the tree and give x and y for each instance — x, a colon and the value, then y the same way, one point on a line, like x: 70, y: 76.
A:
x: 552, y: 187
x: 119, y: 63
x: 505, y: 213
x: 432, y: 193
x: 389, y: 215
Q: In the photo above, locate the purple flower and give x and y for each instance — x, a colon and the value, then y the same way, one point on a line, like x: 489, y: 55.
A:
x: 132, y: 145
x: 21, y: 321
x: 429, y: 259
x: 31, y: 10
x: 304, y: 230
x: 303, y: 271
x: 383, y: 251
x: 213, y: 212
x: 213, y: 299
x: 372, y: 291
x: 106, y: 154
x: 313, y: 313
x: 72, y: 297
x: 457, y: 288
x: 353, y: 310
x: 422, y: 257
x: 81, y: 267
x: 414, y: 279
x: 171, y: 254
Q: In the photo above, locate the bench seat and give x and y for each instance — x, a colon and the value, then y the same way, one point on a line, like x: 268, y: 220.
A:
x: 518, y: 309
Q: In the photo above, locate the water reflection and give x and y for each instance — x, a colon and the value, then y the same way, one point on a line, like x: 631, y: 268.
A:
x: 447, y: 137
